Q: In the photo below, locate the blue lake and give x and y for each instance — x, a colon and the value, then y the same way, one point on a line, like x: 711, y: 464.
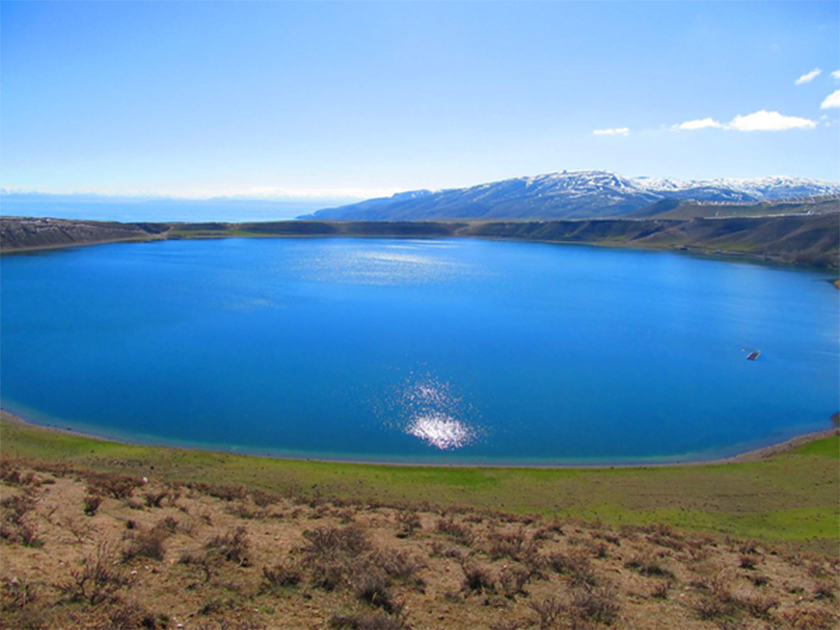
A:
x: 430, y: 351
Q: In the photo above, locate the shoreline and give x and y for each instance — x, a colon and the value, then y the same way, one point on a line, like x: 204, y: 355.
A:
x: 452, y: 228
x: 752, y: 455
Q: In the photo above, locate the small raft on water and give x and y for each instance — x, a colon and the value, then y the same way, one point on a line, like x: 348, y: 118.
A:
x: 752, y: 356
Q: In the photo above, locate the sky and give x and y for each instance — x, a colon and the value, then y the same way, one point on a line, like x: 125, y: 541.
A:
x: 348, y: 100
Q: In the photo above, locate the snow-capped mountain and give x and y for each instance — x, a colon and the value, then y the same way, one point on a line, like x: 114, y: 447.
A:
x: 578, y: 194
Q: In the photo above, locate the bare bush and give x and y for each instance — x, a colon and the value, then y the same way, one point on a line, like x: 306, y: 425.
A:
x: 91, y: 503
x: 576, y: 566
x: 232, y: 546
x: 99, y: 577
x: 113, y: 485
x: 476, y: 577
x: 460, y: 532
x: 549, y: 610
x: 409, y: 523
x: 16, y: 524
x: 280, y: 576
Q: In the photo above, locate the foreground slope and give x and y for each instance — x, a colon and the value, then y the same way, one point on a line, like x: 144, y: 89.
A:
x: 98, y: 534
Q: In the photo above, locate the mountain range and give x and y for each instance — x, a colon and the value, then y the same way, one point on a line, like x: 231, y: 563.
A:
x: 571, y: 195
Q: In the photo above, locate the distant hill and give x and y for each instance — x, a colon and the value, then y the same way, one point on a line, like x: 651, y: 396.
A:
x: 676, y: 209
x: 570, y: 195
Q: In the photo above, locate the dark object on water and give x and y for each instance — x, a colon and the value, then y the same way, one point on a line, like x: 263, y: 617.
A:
x: 752, y: 356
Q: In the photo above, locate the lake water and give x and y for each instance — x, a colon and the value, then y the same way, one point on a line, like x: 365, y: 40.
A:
x: 435, y: 351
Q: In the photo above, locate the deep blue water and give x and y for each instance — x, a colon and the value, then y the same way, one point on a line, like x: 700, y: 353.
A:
x: 457, y: 351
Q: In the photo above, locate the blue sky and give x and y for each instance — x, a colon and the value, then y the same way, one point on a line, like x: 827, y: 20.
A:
x: 361, y: 99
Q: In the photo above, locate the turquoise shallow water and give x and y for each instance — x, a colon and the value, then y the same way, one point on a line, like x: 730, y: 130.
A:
x: 436, y: 351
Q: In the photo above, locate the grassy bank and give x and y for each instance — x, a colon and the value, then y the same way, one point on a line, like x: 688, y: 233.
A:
x: 790, y: 496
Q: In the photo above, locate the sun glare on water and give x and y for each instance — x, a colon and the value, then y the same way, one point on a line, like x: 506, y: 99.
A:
x: 440, y: 430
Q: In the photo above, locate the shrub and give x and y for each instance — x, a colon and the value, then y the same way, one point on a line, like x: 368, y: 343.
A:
x: 513, y: 580
x: 549, y: 611
x: 409, y: 522
x: 232, y: 546
x: 476, y: 577
x: 598, y: 604
x: 280, y: 576
x: 376, y: 621
x: 114, y: 485
x: 461, y: 533
x: 373, y: 586
x: 758, y: 606
x: 133, y: 615
x: 147, y: 544
x: 91, y: 503
x: 576, y: 566
x: 154, y: 499
x: 16, y: 525
x: 399, y: 564
x: 507, y: 545
x: 333, y: 541
x: 649, y: 565
x: 747, y: 561
x: 98, y: 578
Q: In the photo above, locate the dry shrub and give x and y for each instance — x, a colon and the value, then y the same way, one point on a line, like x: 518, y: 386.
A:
x: 232, y: 546
x: 98, y: 579
x: 377, y: 621
x: 807, y: 618
x: 17, y: 594
x: 280, y: 576
x: 225, y: 493
x: 409, y: 522
x: 399, y: 564
x: 11, y: 475
x: 373, y: 586
x: 332, y: 541
x: 507, y: 545
x: 91, y: 503
x: 825, y: 589
x: 148, y: 544
x: 154, y: 498
x: 16, y: 524
x: 748, y: 547
x: 513, y: 580
x: 549, y: 611
x: 661, y: 589
x: 113, y: 485
x: 649, y: 565
x: 132, y: 615
x: 460, y: 532
x: 263, y: 499
x: 718, y: 601
x: 758, y: 606
x: 748, y: 561
x: 440, y: 550
x: 597, y: 604
x: 476, y: 577
x: 246, y: 510
x: 576, y: 566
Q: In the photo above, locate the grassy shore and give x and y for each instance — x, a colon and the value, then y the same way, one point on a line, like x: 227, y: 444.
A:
x: 787, y: 496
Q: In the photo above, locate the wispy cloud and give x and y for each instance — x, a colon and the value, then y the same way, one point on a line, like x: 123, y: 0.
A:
x: 831, y: 101
x: 758, y: 121
x: 808, y: 76
x: 836, y: 74
x: 702, y: 123
x: 618, y: 131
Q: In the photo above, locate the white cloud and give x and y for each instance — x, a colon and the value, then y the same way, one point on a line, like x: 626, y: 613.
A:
x: 832, y: 100
x: 758, y: 121
x: 769, y: 121
x: 836, y: 74
x: 808, y: 76
x: 619, y: 131
x: 702, y: 123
